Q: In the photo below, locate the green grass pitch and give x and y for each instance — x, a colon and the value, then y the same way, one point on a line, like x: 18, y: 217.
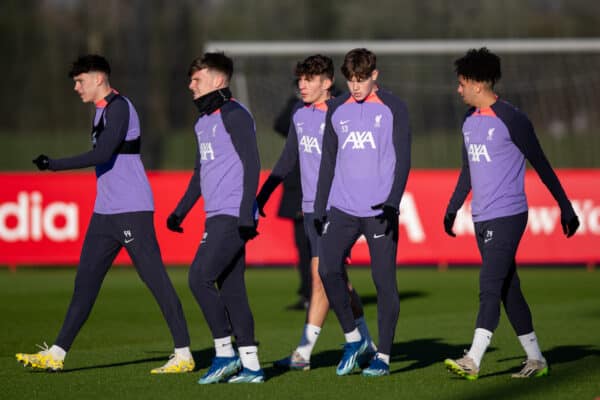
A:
x: 125, y: 337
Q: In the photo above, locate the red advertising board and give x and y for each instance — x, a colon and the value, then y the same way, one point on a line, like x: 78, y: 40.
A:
x: 44, y: 216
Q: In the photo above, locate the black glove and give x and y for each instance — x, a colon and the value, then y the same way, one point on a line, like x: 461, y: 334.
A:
x: 174, y: 223
x: 320, y: 224
x: 265, y: 192
x: 42, y: 162
x: 247, y: 232
x: 389, y: 215
x: 449, y: 223
x: 260, y: 203
x: 570, y: 226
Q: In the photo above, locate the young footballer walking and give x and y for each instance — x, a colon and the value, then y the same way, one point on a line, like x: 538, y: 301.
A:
x: 304, y: 144
x: 226, y: 175
x: 362, y: 176
x: 123, y: 217
x: 497, y: 139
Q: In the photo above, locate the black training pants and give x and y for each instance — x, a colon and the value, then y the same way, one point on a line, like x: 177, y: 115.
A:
x: 341, y: 233
x: 106, y: 235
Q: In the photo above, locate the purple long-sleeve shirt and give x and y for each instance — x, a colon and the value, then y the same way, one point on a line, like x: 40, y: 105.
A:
x: 303, y: 144
x: 227, y: 165
x: 497, y: 140
x: 121, y: 181
x: 366, y: 154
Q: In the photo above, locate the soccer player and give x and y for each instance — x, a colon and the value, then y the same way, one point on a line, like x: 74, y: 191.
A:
x: 123, y: 217
x: 290, y: 208
x: 497, y: 139
x: 362, y: 176
x: 226, y: 174
x: 303, y: 144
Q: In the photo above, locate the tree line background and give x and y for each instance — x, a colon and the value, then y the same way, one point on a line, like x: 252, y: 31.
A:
x: 150, y: 44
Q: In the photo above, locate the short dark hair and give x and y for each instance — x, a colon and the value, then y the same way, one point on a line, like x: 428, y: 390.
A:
x: 314, y: 66
x: 215, y: 61
x: 359, y: 63
x: 89, y: 63
x: 480, y: 65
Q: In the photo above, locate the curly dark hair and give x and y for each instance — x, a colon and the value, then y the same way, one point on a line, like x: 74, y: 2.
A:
x: 359, y: 63
x: 480, y: 65
x: 89, y: 63
x: 314, y: 66
x: 215, y: 61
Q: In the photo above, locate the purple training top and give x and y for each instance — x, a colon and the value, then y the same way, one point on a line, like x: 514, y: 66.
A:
x: 227, y: 165
x: 366, y: 155
x: 122, y: 184
x: 497, y: 140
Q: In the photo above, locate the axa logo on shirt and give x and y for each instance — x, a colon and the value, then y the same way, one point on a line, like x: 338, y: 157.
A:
x: 206, y: 151
x: 309, y: 144
x: 359, y: 140
x: 29, y: 219
x: 476, y: 151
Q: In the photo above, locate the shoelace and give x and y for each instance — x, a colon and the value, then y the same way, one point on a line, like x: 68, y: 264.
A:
x: 44, y: 348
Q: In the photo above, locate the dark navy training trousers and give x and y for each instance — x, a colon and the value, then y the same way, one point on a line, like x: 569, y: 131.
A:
x: 106, y: 235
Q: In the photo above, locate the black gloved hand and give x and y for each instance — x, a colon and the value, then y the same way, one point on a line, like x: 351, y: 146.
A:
x: 260, y: 204
x: 174, y: 223
x: 449, y: 223
x: 389, y: 215
x: 247, y: 232
x: 42, y: 162
x: 320, y: 224
x: 570, y: 226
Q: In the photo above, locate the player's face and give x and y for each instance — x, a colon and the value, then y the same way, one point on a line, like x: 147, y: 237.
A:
x: 361, y: 88
x: 314, y: 89
x: 87, y: 86
x: 468, y: 89
x: 202, y: 82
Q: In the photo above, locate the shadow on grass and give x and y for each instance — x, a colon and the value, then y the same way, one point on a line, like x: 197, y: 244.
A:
x: 202, y: 359
x: 426, y: 352
x: 547, y: 387
x: 555, y: 356
x: 423, y: 353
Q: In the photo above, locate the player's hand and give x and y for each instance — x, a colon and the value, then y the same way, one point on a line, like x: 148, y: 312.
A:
x: 174, y: 223
x: 389, y: 215
x: 42, y: 162
x: 570, y: 226
x: 260, y: 203
x: 247, y: 232
x: 320, y: 224
x: 449, y: 223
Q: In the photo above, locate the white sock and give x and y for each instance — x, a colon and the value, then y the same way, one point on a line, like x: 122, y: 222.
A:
x: 183, y: 352
x: 57, y: 352
x: 223, y: 347
x: 481, y: 341
x: 249, y: 357
x: 353, y: 336
x: 383, y: 357
x: 364, y: 332
x: 531, y: 346
x: 308, y: 341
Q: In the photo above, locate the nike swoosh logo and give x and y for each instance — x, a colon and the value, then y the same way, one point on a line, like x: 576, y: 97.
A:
x: 129, y: 240
x: 344, y: 122
x: 375, y: 236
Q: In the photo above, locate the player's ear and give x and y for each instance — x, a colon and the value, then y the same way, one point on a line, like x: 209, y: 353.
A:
x: 219, y: 81
x: 99, y: 78
x: 375, y: 74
